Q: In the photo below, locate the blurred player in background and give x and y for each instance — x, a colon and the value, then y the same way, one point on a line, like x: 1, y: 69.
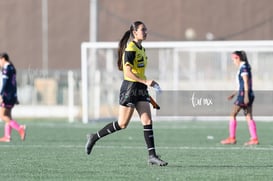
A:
x: 132, y: 60
x: 8, y: 98
x: 245, y: 99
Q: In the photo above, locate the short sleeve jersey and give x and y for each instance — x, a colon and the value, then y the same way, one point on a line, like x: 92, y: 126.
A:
x: 135, y: 57
x: 9, y: 86
x: 244, y: 70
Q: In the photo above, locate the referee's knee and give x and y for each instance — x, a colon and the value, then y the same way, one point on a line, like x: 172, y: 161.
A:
x: 122, y: 125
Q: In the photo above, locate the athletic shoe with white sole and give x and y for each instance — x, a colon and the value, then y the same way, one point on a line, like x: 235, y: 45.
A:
x: 155, y: 160
x: 89, y: 144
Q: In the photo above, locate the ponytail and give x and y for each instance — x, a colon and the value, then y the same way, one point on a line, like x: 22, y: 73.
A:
x: 123, y: 42
x: 122, y: 47
x: 244, y: 57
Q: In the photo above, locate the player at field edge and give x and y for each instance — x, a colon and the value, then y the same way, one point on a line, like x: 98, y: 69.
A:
x: 245, y: 99
x: 8, y: 98
x: 132, y: 60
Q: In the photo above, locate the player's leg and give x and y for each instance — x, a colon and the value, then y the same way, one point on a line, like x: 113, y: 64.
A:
x: 232, y: 126
x: 251, y: 126
x: 144, y: 112
x: 233, y: 122
x: 7, y: 129
x: 143, y: 109
x: 125, y: 114
x: 6, y: 115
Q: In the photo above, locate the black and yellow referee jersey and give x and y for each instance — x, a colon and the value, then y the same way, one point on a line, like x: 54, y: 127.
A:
x: 135, y: 56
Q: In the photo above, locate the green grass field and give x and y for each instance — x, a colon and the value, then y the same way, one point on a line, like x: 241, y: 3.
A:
x: 55, y: 151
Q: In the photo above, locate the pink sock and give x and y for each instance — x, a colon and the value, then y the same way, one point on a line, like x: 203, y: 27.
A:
x: 14, y: 125
x: 232, y: 128
x: 7, y: 130
x: 252, y: 129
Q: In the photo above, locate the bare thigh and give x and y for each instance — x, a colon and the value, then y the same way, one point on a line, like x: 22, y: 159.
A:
x: 247, y: 112
x: 125, y: 115
x: 144, y: 112
x: 5, y: 114
x: 235, y: 110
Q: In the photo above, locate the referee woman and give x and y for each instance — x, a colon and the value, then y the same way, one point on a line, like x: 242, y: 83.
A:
x: 132, y: 60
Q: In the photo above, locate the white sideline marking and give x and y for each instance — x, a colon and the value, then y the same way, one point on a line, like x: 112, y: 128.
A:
x: 269, y: 148
x: 131, y: 126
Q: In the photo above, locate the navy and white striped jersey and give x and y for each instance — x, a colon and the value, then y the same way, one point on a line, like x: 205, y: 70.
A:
x: 244, y: 70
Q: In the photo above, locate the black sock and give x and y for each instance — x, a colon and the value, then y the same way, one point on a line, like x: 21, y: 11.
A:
x: 108, y: 129
x: 149, y: 139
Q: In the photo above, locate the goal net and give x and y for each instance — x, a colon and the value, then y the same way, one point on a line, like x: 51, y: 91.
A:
x: 177, y: 66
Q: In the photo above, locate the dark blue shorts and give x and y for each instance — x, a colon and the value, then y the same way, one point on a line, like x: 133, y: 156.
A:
x: 9, y: 102
x: 132, y: 92
x: 240, y: 99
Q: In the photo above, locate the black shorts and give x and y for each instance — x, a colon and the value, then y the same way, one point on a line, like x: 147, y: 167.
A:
x: 132, y: 92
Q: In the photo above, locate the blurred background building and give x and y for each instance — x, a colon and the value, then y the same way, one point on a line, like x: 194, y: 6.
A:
x: 43, y: 37
x: 21, y: 25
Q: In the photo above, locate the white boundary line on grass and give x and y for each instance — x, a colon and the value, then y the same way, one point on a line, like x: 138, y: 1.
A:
x: 254, y: 148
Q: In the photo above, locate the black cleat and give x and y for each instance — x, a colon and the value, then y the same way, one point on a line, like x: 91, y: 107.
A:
x: 155, y: 160
x: 89, y: 144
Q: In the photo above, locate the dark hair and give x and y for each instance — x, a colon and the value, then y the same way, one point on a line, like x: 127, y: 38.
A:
x: 124, y: 40
x: 6, y: 57
x: 242, y: 55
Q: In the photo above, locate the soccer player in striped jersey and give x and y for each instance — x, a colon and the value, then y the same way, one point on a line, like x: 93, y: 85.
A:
x: 132, y: 60
x: 245, y: 99
x: 8, y: 98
